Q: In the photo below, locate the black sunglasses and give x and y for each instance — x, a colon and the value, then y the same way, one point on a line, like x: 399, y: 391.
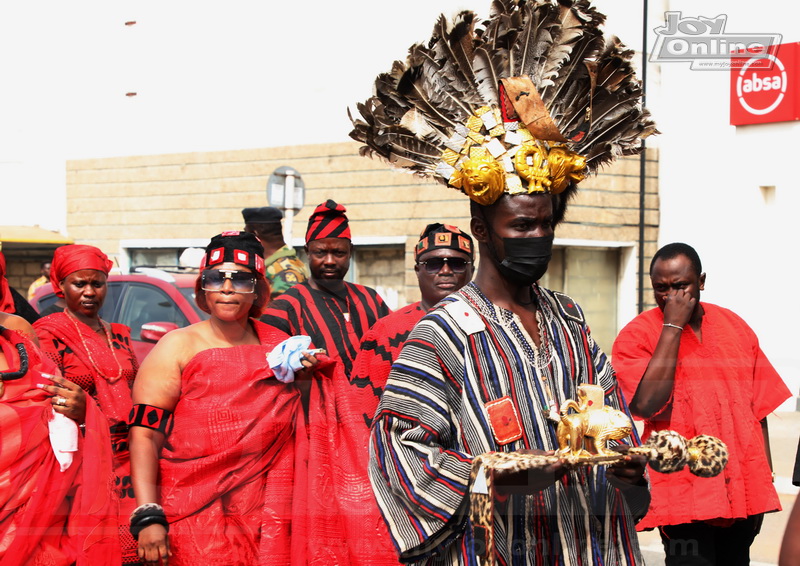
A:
x: 241, y: 281
x: 435, y: 264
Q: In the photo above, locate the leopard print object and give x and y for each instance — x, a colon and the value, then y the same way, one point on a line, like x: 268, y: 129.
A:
x: 482, y: 494
x: 668, y: 451
x: 708, y: 456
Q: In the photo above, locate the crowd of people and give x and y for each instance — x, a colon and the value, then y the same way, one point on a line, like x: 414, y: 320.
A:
x: 304, y: 423
x: 210, y: 453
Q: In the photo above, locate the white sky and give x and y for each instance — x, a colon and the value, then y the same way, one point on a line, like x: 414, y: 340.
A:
x: 208, y: 76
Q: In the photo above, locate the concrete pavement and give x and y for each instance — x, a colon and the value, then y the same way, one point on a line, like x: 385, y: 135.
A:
x: 784, y: 429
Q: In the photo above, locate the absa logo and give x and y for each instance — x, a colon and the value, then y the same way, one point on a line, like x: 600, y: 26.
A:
x: 760, y: 91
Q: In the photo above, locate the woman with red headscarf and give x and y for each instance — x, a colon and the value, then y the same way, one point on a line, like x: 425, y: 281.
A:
x: 95, y: 355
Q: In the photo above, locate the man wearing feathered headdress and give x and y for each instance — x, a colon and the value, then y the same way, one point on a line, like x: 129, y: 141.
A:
x: 513, y: 112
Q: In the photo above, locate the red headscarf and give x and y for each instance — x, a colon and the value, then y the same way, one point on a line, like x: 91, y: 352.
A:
x: 75, y: 257
x: 6, y: 298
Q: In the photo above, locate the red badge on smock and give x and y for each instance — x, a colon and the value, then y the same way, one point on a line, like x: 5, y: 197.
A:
x: 504, y: 420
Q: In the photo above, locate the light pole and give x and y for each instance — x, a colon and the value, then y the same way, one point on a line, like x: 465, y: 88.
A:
x: 286, y: 191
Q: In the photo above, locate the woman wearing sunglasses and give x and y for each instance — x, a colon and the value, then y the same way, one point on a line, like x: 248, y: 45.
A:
x: 211, y: 421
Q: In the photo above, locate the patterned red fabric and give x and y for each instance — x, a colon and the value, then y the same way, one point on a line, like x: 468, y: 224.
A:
x: 151, y: 417
x: 227, y: 467
x: 328, y: 221
x: 75, y: 257
x: 336, y: 518
x: 379, y: 347
x: 724, y: 386
x: 439, y: 236
x: 6, y: 298
x: 106, y: 373
x: 48, y: 516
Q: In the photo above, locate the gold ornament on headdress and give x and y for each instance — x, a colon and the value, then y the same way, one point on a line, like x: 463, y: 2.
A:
x: 537, y: 161
x: 481, y: 177
x: 531, y: 100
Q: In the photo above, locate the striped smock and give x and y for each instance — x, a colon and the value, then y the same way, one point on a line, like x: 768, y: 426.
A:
x: 431, y: 422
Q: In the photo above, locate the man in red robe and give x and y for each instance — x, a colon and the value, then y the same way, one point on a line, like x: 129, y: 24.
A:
x: 444, y: 259
x: 697, y: 368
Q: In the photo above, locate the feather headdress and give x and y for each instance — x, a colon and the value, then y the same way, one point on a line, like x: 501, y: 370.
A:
x: 531, y: 100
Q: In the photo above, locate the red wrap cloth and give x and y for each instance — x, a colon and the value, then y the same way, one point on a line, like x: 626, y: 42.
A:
x: 246, y: 480
x: 75, y: 257
x: 106, y: 373
x: 724, y: 386
x: 336, y: 518
x: 6, y: 298
x: 48, y: 516
x: 227, y: 466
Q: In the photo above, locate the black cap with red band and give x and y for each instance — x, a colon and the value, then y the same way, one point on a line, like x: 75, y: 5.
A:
x: 241, y: 248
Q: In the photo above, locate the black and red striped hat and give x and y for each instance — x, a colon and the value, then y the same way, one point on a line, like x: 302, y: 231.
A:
x: 328, y: 221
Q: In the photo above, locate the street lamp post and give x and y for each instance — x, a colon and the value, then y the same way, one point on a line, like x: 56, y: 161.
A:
x: 286, y: 191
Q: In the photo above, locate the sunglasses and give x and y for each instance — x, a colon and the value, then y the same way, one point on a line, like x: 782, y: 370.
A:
x: 241, y: 281
x: 435, y: 265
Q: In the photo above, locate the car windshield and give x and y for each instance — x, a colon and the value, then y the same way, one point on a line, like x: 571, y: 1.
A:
x: 188, y: 292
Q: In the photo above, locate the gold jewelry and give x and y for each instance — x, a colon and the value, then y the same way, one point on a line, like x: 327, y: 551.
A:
x: 96, y: 366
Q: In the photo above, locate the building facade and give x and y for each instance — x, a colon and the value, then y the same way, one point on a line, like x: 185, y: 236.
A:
x: 145, y: 210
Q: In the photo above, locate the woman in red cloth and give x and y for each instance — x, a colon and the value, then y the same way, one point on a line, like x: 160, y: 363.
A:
x: 51, y: 511
x: 11, y: 301
x: 213, y: 429
x: 95, y: 355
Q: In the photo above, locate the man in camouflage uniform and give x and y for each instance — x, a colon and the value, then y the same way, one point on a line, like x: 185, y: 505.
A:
x: 283, y: 267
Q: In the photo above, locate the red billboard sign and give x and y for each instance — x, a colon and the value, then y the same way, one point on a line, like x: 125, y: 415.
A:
x: 766, y: 88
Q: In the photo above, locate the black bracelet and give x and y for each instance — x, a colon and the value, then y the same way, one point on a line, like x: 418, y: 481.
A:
x: 144, y: 519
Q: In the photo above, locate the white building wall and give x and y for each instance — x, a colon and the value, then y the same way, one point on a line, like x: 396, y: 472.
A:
x: 710, y: 179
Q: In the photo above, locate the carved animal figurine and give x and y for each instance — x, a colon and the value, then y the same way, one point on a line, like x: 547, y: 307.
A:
x: 587, y: 431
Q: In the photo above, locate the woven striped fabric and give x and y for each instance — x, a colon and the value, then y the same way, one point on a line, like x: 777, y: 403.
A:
x: 335, y: 322
x: 431, y: 423
x: 328, y: 221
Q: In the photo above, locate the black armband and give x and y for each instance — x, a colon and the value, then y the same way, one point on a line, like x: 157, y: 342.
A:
x: 154, y: 418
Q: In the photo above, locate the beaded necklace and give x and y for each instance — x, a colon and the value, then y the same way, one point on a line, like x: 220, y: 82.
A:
x: 541, y: 356
x: 86, y: 347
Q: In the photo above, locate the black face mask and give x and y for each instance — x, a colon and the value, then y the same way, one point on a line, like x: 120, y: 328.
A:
x: 526, y: 259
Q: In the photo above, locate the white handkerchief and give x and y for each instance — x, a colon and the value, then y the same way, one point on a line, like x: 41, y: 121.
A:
x: 63, y: 439
x: 287, y: 357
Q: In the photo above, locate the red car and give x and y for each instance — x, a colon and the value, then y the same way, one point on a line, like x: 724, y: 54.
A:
x: 151, y: 304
